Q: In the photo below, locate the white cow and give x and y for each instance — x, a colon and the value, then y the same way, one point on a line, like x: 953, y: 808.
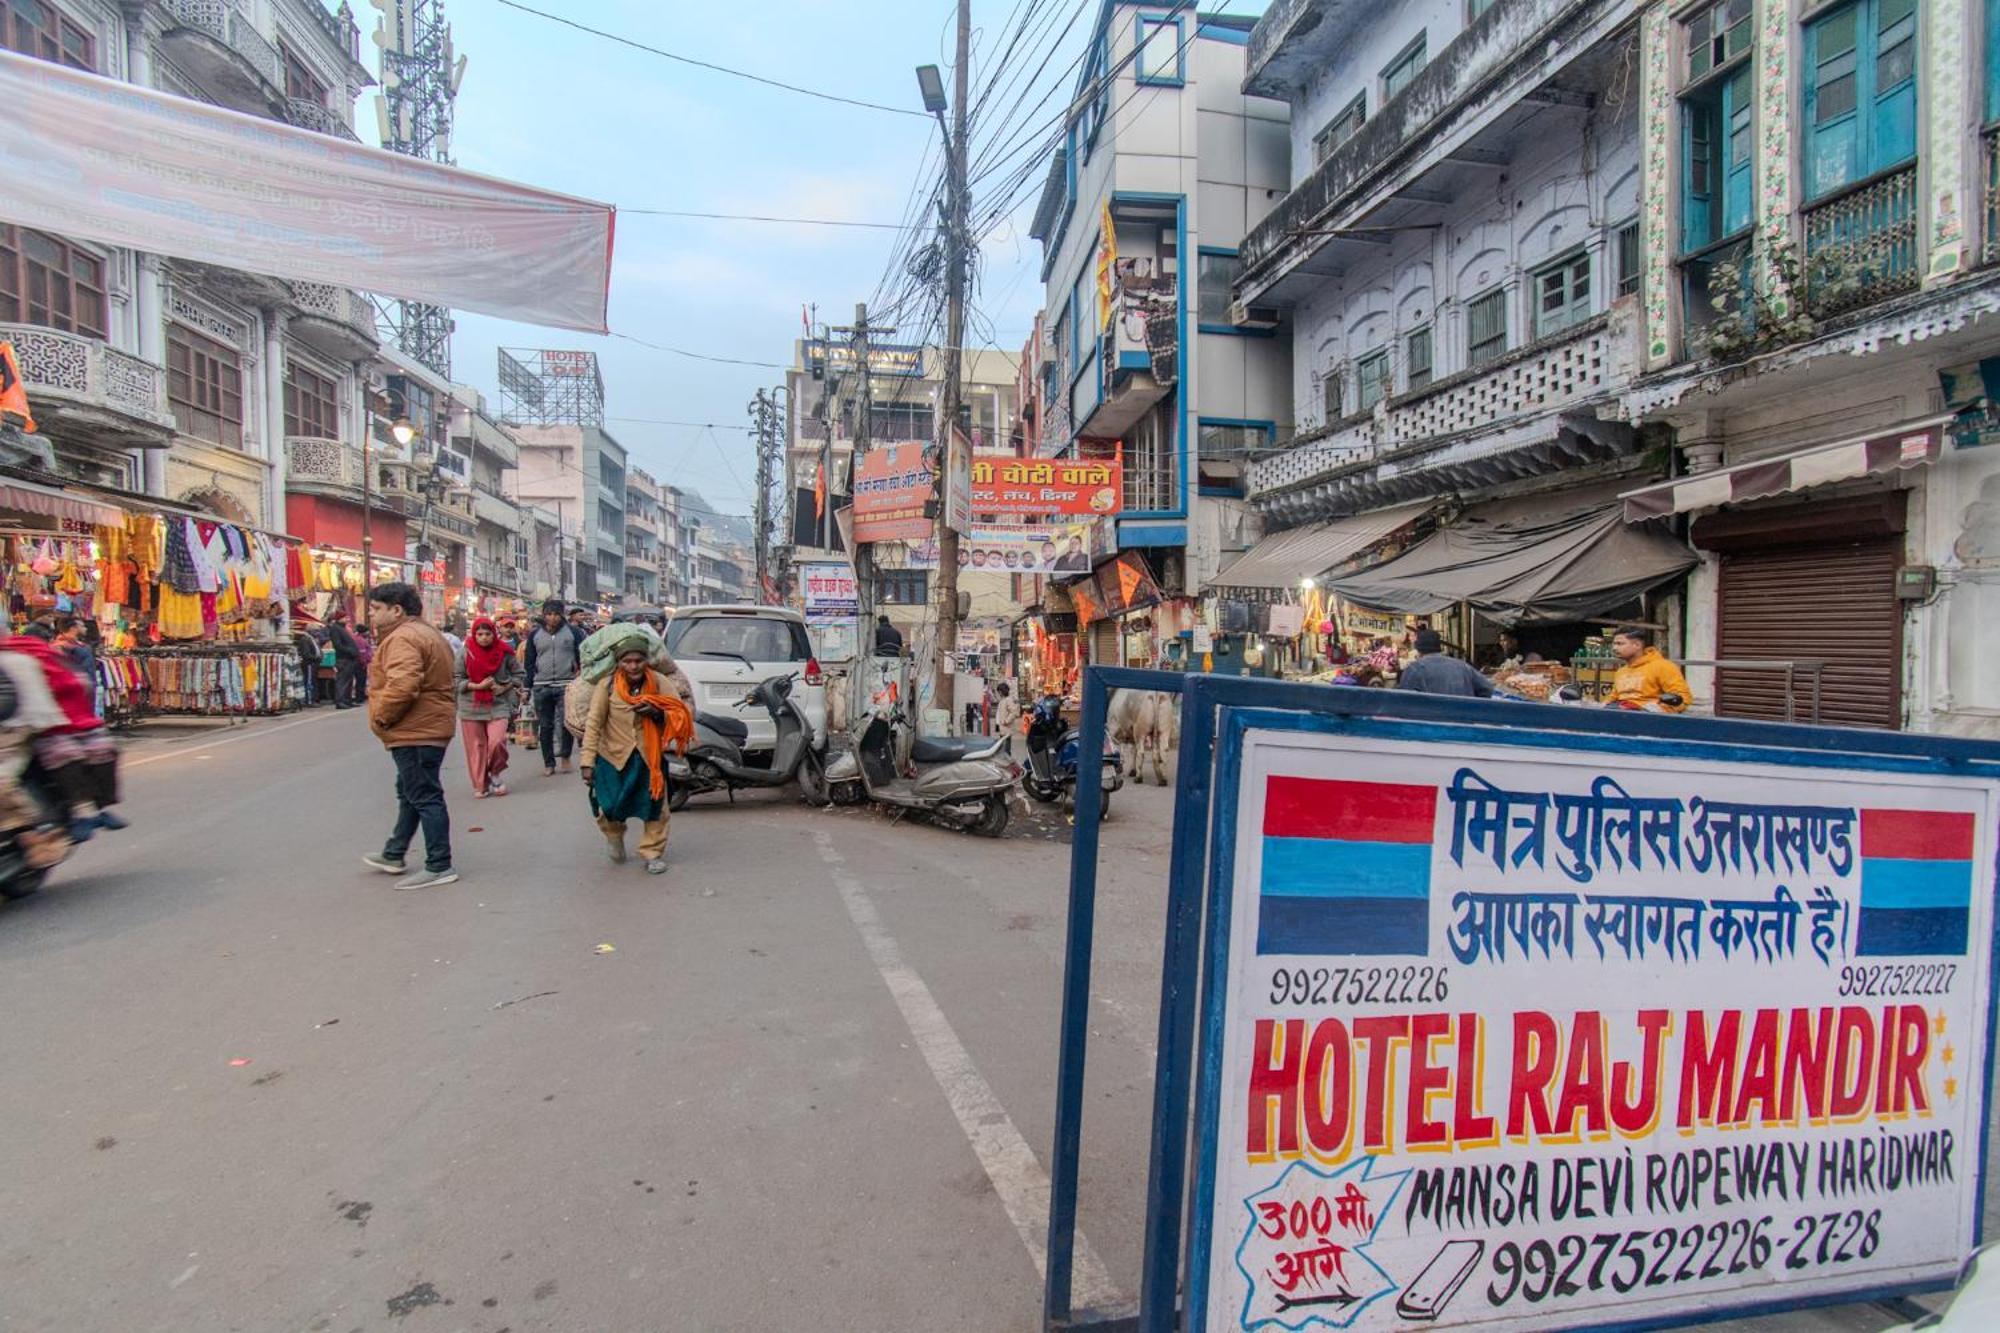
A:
x: 1144, y: 723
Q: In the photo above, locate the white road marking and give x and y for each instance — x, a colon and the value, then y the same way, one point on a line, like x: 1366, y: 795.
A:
x: 251, y: 734
x: 192, y: 1269
x: 1009, y: 1162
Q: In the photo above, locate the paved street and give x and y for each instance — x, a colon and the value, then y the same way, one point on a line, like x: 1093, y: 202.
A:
x: 810, y: 1086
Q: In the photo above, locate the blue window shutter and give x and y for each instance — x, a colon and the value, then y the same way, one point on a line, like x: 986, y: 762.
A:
x: 1834, y: 96
x: 1993, y: 59
x: 1891, y: 69
x: 1737, y: 151
x: 1697, y: 174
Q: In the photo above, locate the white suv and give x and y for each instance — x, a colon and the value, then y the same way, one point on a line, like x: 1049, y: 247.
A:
x: 727, y: 650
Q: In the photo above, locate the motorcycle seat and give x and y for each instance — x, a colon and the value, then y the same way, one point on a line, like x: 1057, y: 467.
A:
x: 946, y: 749
x: 733, y: 729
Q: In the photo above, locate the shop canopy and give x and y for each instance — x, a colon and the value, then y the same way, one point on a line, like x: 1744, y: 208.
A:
x: 89, y: 156
x: 1545, y: 558
x: 1283, y: 558
x: 26, y: 497
x: 1905, y: 446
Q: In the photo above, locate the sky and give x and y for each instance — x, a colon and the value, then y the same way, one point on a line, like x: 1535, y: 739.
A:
x: 553, y: 107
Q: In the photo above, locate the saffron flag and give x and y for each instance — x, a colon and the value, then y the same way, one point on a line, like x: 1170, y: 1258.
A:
x: 1107, y: 264
x: 13, y: 393
x: 819, y: 493
x: 1916, y: 882
x: 1346, y: 867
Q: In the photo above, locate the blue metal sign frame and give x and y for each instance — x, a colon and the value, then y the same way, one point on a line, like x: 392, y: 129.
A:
x: 1234, y: 704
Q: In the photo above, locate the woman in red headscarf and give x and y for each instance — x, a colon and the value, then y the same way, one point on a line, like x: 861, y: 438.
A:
x: 487, y: 680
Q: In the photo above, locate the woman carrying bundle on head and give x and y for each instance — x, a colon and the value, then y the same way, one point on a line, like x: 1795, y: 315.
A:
x: 639, y: 712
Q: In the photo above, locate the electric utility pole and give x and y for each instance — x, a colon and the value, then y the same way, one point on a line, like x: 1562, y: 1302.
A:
x: 956, y: 226
x: 760, y: 424
x: 864, y: 552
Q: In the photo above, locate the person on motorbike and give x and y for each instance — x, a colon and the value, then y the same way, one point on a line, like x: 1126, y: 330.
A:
x: 1646, y: 681
x: 637, y: 713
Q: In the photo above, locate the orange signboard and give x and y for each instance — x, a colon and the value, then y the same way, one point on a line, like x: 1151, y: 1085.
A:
x: 892, y: 485
x: 1007, y: 484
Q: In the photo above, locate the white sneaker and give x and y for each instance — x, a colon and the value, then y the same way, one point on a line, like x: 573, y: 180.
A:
x: 428, y: 879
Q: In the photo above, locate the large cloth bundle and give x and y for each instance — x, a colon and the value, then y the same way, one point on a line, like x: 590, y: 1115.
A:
x: 601, y: 651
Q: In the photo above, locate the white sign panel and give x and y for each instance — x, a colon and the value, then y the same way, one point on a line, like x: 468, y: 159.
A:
x: 830, y: 591
x: 89, y: 156
x: 1555, y: 1038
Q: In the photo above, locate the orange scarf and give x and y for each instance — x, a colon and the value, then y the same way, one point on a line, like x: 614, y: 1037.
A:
x: 676, y: 731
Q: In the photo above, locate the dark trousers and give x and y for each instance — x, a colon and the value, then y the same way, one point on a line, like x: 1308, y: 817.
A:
x: 549, y: 726
x: 420, y: 801
x: 346, y: 678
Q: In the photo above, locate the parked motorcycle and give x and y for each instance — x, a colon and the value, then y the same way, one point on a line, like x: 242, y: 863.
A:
x: 962, y: 782
x: 1055, y: 760
x: 716, y: 762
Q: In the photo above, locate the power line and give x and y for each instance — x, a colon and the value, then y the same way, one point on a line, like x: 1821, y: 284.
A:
x: 758, y: 217
x: 701, y: 356
x: 693, y: 425
x: 709, y: 64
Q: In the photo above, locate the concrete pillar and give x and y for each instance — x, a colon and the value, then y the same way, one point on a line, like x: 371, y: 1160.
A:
x: 150, y: 306
x: 273, y: 401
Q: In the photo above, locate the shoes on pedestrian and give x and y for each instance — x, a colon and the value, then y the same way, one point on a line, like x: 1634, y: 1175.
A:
x: 549, y: 772
x: 428, y: 879
x: 497, y: 789
x: 113, y: 821
x: 614, y: 851
x: 657, y: 866
x: 82, y: 830
x: 388, y: 865
x: 566, y: 766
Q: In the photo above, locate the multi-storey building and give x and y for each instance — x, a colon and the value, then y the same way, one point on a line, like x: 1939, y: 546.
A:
x: 1166, y: 161
x: 676, y: 546
x: 718, y: 570
x: 642, y: 537
x: 579, y: 473
x: 181, y: 380
x: 497, y: 561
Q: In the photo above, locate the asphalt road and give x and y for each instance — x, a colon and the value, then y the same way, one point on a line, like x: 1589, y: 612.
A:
x: 250, y: 1086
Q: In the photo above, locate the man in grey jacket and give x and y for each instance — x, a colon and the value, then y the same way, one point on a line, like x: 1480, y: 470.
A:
x: 549, y: 661
x: 1434, y: 673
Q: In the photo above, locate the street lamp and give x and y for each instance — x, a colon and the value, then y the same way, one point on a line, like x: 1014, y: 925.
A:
x: 1306, y: 584
x: 403, y: 431
x: 931, y: 84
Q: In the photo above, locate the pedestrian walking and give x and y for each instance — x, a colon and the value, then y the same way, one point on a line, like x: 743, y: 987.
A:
x: 1435, y: 673
x: 412, y: 711
x: 486, y: 686
x: 1006, y: 710
x: 636, y: 714
x: 549, y: 661
x: 347, y: 661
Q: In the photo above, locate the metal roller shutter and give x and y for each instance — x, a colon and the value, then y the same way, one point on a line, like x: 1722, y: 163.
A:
x: 1835, y: 602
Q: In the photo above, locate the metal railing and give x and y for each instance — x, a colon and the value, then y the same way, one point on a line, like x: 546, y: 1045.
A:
x: 339, y: 304
x: 1861, y: 245
x: 310, y: 115
x: 228, y: 25
x: 1594, y: 675
x: 1989, y: 151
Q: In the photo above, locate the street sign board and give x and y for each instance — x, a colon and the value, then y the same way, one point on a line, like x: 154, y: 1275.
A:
x: 892, y: 485
x: 1003, y: 483
x: 830, y: 590
x: 1512, y: 1028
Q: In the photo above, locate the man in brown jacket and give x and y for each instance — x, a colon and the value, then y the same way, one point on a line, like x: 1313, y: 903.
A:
x: 413, y: 709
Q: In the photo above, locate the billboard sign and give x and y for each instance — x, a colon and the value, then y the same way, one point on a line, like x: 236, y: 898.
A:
x: 1042, y: 549
x: 884, y: 359
x: 830, y: 592
x: 1004, y: 483
x: 893, y: 486
x: 1518, y: 1029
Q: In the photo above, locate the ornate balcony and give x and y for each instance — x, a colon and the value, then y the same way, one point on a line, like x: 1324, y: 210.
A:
x: 1138, y: 359
x: 1989, y: 145
x: 1476, y: 427
x: 220, y: 48
x: 1861, y: 245
x: 81, y: 388
x: 333, y: 320
x: 310, y: 115
x: 493, y: 573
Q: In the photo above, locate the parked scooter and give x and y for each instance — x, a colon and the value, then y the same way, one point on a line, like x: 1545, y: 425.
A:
x: 962, y: 782
x: 1054, y: 760
x: 715, y: 762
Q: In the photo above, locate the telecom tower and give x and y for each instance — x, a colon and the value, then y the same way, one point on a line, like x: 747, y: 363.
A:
x: 420, y: 76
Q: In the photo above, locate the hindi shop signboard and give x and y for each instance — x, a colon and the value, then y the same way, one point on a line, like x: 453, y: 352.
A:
x: 830, y: 592
x: 892, y: 485
x: 1519, y: 1036
x: 1003, y: 483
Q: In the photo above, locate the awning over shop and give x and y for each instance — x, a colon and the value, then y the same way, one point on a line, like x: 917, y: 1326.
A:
x: 1283, y: 558
x: 1546, y: 558
x: 1905, y: 446
x: 29, y: 498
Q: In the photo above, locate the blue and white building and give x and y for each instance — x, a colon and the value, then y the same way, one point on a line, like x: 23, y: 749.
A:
x: 1165, y: 164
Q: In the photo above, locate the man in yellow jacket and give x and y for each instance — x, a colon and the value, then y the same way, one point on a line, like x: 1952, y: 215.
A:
x: 1646, y: 680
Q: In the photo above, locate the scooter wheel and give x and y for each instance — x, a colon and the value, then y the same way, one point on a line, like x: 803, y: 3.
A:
x: 848, y: 793
x: 992, y: 821
x: 23, y: 885
x: 678, y: 795
x: 812, y: 781
x: 1046, y: 793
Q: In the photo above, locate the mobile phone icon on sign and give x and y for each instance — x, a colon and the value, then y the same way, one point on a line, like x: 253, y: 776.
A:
x: 1426, y: 1297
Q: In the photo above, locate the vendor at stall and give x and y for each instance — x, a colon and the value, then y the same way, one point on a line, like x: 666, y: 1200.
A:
x: 1646, y: 680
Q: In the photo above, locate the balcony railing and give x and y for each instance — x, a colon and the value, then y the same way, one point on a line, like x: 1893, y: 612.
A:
x: 322, y: 462
x: 1990, y: 158
x: 1717, y: 311
x: 90, y: 371
x: 228, y: 25
x: 1861, y: 246
x: 335, y: 303
x: 494, y: 573
x: 310, y: 115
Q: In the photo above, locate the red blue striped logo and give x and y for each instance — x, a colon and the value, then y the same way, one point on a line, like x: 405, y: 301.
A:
x: 1916, y: 882
x: 1347, y: 867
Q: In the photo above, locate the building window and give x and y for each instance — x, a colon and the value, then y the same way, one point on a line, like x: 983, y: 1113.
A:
x: 1717, y: 125
x: 1486, y: 327
x: 1625, y: 253
x: 1215, y: 275
x: 900, y: 587
x: 205, y: 387
x: 1329, y: 388
x: 1233, y: 441
x: 1562, y: 294
x: 1159, y: 50
x: 1474, y: 8
x: 520, y: 553
x: 1992, y: 60
x: 1341, y: 128
x: 45, y: 280
x: 311, y: 408
x: 36, y: 28
x: 300, y: 81
x: 1417, y: 357
x: 1371, y: 380
x: 1403, y: 68
x: 1861, y: 93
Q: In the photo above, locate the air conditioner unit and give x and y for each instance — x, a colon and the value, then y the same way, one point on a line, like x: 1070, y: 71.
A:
x: 1252, y: 317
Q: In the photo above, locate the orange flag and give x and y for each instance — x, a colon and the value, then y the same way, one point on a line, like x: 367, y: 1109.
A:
x: 819, y: 495
x: 13, y: 393
x: 1129, y: 579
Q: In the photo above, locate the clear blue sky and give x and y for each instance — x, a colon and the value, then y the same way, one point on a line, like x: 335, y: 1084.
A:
x: 554, y: 107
